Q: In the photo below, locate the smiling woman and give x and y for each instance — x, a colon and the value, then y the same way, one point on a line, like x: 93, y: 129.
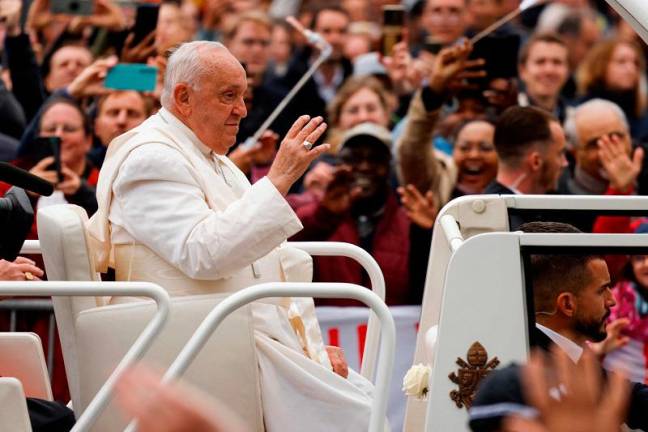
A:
x: 475, y: 157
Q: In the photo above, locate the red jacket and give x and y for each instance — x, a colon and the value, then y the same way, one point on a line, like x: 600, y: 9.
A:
x: 390, y: 248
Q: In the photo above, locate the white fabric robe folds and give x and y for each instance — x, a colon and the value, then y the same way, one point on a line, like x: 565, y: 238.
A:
x: 172, y: 212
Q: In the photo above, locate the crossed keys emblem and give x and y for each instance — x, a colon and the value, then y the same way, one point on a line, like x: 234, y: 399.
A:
x: 470, y: 374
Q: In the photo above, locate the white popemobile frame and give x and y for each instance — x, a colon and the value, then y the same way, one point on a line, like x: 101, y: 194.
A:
x: 469, y: 216
x: 96, y: 289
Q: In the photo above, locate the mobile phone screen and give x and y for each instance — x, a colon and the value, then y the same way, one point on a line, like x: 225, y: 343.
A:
x: 393, y: 22
x: 131, y: 76
x: 72, y: 7
x: 46, y: 147
x: 146, y: 19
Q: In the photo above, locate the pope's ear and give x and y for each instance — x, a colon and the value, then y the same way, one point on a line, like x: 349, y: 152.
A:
x: 566, y: 304
x: 182, y: 98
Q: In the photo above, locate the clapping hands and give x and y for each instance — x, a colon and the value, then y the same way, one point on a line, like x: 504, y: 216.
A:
x: 621, y: 170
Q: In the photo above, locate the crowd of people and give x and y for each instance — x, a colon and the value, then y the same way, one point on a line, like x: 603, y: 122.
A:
x: 554, y: 101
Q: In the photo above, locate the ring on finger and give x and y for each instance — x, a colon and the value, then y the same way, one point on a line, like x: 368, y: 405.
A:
x: 28, y: 276
x: 308, y: 144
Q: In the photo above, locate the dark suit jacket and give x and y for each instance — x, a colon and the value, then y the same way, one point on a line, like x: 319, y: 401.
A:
x: 501, y: 394
x: 582, y: 220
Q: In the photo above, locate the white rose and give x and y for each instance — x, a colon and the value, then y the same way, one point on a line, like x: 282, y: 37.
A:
x: 416, y: 380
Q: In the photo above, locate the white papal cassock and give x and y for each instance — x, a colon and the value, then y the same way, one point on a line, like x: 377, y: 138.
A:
x: 173, y: 212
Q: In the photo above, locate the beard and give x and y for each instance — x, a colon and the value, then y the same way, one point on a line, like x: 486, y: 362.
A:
x: 594, y: 329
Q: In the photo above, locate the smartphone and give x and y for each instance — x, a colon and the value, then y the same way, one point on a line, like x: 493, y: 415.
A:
x: 500, y: 54
x: 393, y: 23
x: 432, y: 46
x: 72, y: 7
x: 131, y: 76
x: 146, y: 18
x: 49, y: 146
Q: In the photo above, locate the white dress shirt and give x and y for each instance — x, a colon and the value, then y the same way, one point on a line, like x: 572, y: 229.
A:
x: 571, y: 348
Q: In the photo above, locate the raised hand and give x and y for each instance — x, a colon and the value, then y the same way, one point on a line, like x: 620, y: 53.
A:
x: 106, y: 14
x: 621, y: 171
x: 293, y: 157
x: 71, y: 181
x: 171, y: 407
x: 340, y: 192
x: 422, y: 210
x: 41, y: 169
x: 140, y: 52
x: 451, y: 67
x: 318, y: 178
x: 614, y: 340
x: 401, y: 69
x: 586, y: 404
x: 90, y: 82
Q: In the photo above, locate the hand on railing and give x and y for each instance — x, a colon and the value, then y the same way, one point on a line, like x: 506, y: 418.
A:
x: 19, y: 270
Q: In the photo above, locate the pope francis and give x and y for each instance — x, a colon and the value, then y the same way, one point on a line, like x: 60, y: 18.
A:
x: 174, y: 210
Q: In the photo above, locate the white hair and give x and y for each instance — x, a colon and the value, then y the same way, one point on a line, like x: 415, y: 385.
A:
x: 571, y: 129
x: 185, y: 65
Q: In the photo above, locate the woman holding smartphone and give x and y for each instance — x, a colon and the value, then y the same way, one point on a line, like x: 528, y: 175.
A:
x: 75, y: 177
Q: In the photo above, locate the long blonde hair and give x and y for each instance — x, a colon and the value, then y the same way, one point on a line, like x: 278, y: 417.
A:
x: 593, y: 70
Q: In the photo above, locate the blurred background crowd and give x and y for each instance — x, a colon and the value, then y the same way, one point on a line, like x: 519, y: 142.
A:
x: 414, y: 120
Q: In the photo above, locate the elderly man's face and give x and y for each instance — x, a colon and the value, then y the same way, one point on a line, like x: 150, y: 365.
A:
x: 445, y: 20
x: 215, y: 105
x: 591, y: 125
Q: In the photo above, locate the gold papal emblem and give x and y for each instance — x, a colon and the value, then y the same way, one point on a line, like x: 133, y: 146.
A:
x: 470, y: 374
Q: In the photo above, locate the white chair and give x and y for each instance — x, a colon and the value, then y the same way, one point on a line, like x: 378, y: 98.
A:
x: 458, y: 222
x: 97, y: 337
x: 13, y: 406
x: 22, y: 358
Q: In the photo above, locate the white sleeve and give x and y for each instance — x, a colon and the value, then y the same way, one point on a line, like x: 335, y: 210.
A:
x: 161, y: 205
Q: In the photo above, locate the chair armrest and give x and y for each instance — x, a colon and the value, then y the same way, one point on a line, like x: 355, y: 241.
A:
x: 369, y: 264
x: 13, y: 406
x: 23, y: 358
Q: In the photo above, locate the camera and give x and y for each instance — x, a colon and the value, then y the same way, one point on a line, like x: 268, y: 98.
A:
x: 16, y: 212
x: 16, y: 218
